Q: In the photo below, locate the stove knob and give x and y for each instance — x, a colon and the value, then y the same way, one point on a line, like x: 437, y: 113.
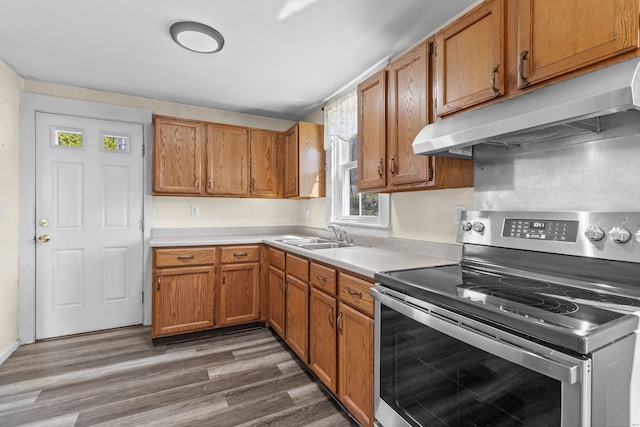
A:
x: 620, y: 234
x: 466, y: 226
x: 594, y: 233
x: 478, y: 226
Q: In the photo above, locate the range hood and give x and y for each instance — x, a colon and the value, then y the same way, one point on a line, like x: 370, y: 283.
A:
x: 554, y: 112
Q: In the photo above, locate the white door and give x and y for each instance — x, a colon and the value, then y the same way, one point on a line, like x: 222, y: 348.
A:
x: 89, y: 240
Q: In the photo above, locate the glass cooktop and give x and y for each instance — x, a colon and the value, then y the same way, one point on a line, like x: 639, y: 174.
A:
x: 544, y: 303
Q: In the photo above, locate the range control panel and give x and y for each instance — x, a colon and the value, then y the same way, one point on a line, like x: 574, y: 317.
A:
x: 541, y: 229
x: 606, y: 235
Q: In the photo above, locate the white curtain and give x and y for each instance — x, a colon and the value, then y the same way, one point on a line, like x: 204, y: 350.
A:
x: 341, y: 118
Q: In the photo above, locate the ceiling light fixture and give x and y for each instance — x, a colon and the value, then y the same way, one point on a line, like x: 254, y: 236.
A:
x: 196, y: 37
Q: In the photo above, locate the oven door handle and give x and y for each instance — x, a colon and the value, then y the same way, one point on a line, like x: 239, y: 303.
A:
x: 562, y: 370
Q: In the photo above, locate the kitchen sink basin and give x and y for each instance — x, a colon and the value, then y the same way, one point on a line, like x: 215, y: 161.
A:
x: 305, y: 241
x: 313, y: 243
x: 327, y: 245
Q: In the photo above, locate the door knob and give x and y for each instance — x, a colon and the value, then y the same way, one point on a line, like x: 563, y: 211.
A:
x: 44, y: 238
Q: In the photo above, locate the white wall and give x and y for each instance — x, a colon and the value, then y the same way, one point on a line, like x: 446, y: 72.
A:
x: 10, y: 86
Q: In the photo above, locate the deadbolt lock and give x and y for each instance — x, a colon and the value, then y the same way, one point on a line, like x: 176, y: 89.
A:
x: 43, y: 223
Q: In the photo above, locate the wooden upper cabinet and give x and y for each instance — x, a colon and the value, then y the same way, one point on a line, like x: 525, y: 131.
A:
x: 469, y: 59
x: 291, y: 162
x: 227, y: 160
x: 372, y: 132
x: 558, y: 37
x: 304, y: 161
x: 178, y: 156
x: 408, y: 110
x: 265, y: 163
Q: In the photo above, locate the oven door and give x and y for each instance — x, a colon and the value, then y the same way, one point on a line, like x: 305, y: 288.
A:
x: 434, y: 367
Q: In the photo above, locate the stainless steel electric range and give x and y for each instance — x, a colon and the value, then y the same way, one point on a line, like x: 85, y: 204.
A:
x: 538, y: 325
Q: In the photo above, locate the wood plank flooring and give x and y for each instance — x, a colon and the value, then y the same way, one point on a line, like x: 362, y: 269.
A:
x: 117, y: 378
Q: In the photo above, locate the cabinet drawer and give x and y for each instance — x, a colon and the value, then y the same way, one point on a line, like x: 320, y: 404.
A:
x: 323, y: 278
x: 240, y: 254
x: 176, y: 257
x: 276, y: 258
x: 355, y: 292
x: 298, y: 267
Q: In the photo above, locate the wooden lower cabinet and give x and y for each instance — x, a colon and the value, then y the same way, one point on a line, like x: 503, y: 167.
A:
x: 182, y: 300
x: 322, y: 337
x: 276, y: 316
x: 297, y: 316
x: 355, y: 363
x: 239, y: 301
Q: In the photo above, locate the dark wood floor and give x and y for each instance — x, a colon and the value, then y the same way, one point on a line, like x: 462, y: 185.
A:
x: 118, y: 378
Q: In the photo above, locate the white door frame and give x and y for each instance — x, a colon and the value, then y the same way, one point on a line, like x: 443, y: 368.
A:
x: 29, y: 105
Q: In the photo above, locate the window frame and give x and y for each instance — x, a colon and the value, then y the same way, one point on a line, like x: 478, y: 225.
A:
x: 339, y: 185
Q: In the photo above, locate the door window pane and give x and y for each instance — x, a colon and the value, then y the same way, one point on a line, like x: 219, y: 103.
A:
x: 115, y: 143
x: 67, y: 138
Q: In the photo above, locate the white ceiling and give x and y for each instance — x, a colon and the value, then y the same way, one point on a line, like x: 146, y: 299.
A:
x: 281, y: 58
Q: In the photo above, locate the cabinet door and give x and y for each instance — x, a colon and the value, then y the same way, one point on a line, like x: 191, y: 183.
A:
x: 239, y: 301
x: 557, y: 37
x: 311, y: 161
x: 276, y: 300
x: 264, y: 151
x: 291, y: 162
x: 227, y: 160
x: 182, y: 300
x: 469, y: 59
x: 322, y: 337
x: 297, y: 318
x: 178, y: 156
x: 355, y: 343
x: 372, y: 136
x: 407, y: 115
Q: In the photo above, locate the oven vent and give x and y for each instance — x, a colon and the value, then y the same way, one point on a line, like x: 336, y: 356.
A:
x: 553, y: 113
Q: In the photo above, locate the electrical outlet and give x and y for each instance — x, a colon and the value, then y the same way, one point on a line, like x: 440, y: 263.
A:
x: 458, y: 213
x: 195, y: 210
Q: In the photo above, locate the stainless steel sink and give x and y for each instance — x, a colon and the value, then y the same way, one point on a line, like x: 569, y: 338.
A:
x: 327, y: 245
x: 314, y: 243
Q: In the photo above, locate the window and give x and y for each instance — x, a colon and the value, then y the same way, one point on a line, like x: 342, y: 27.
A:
x: 115, y: 143
x: 67, y: 138
x: 348, y: 206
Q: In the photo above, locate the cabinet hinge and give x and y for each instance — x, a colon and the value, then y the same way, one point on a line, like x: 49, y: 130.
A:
x: 143, y: 150
x: 143, y: 297
x: 142, y: 224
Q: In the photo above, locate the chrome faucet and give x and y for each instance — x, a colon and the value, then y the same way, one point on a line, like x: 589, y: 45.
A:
x: 341, y: 234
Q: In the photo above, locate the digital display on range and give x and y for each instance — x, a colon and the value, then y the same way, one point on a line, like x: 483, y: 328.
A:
x: 560, y: 231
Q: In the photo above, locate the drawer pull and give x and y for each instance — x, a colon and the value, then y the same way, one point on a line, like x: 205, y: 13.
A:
x: 354, y: 293
x: 321, y: 278
x: 242, y: 255
x: 186, y: 257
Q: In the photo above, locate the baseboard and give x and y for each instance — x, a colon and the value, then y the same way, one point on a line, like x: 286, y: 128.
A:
x: 4, y: 354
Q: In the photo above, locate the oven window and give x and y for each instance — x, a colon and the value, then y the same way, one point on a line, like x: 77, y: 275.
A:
x: 431, y: 379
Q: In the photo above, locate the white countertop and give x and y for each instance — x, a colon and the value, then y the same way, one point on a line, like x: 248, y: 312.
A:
x: 358, y: 259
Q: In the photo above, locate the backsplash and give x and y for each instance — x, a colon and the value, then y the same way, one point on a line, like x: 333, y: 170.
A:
x: 600, y: 174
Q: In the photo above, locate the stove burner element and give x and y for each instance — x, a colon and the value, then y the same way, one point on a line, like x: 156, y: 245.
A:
x: 584, y: 294
x: 531, y: 302
x: 523, y: 283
